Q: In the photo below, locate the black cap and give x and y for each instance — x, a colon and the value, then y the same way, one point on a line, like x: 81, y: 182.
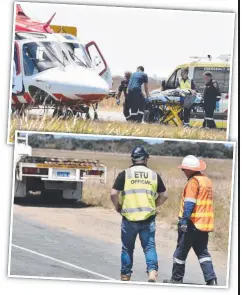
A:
x: 139, y: 153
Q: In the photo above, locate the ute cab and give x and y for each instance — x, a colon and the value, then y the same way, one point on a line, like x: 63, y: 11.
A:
x: 220, y: 69
x: 46, y: 74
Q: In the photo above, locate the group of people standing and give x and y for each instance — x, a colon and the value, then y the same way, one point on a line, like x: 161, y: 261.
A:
x: 136, y: 194
x: 134, y: 99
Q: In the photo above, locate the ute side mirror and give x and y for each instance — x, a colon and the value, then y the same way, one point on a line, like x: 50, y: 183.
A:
x: 163, y: 84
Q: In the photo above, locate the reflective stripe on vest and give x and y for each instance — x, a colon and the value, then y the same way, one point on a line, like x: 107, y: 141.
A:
x: 203, y: 213
x: 185, y: 84
x: 138, y: 191
x: 139, y: 194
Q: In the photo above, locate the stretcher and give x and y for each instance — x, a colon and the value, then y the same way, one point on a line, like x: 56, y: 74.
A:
x: 167, y: 107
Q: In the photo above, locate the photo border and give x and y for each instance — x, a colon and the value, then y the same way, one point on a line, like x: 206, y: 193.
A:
x: 116, y: 281
x: 228, y: 121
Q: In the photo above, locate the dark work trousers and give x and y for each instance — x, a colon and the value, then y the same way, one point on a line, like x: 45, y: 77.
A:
x: 208, y: 117
x: 135, y: 104
x: 197, y: 240
x: 187, y: 114
x: 125, y: 108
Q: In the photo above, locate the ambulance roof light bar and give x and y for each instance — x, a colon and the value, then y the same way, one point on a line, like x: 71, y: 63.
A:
x: 224, y: 57
x: 198, y: 58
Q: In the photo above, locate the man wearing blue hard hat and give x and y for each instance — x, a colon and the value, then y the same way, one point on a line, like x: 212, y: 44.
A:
x: 136, y: 194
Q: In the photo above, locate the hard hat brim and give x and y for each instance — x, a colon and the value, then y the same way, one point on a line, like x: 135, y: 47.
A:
x: 201, y: 167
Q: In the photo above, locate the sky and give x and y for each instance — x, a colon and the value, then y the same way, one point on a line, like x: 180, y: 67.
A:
x: 157, y: 39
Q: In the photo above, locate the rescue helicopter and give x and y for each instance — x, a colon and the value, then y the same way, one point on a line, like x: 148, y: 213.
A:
x: 47, y: 73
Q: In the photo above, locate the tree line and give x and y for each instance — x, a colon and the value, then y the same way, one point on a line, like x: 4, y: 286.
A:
x: 166, y: 148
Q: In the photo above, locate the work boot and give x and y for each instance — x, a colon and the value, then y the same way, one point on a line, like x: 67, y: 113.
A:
x: 212, y: 282
x: 171, y: 281
x: 125, y: 277
x: 153, y: 276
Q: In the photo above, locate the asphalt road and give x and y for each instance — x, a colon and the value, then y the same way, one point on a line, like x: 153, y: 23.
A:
x: 40, y: 251
x: 115, y: 116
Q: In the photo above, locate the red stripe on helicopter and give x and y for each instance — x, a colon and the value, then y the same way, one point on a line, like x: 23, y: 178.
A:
x: 61, y: 97
x: 92, y: 97
x: 15, y: 99
x: 27, y: 97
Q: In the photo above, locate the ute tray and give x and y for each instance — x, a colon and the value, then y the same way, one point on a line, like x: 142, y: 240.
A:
x: 60, y: 161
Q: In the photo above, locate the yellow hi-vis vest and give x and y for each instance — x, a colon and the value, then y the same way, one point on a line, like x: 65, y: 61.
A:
x: 139, y: 194
x: 185, y: 84
x: 203, y: 213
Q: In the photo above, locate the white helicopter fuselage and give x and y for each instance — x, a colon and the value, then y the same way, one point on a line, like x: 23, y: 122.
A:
x: 46, y: 74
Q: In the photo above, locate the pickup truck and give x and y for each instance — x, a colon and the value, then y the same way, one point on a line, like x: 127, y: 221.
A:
x: 61, y: 178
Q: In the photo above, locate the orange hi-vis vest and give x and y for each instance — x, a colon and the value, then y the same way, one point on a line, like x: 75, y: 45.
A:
x: 203, y: 213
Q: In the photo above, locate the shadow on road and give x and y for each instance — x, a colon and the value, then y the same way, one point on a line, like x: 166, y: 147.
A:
x: 38, y: 201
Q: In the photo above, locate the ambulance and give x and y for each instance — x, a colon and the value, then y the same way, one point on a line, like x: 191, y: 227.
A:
x: 220, y: 69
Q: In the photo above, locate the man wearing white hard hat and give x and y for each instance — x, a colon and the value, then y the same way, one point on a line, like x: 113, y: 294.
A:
x: 196, y: 220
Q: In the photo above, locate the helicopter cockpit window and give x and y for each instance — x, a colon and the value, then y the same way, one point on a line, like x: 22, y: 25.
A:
x: 78, y: 54
x: 41, y: 56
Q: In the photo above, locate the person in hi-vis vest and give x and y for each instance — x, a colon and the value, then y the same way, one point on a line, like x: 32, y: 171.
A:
x: 184, y: 82
x: 136, y: 194
x: 196, y: 220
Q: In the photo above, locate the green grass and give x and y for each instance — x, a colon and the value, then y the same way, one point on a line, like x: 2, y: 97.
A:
x: 79, y: 126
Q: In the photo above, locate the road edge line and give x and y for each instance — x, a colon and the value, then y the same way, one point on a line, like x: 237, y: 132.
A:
x: 62, y: 262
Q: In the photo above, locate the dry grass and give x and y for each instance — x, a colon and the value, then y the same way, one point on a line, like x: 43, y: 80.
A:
x: 80, y: 126
x: 220, y: 171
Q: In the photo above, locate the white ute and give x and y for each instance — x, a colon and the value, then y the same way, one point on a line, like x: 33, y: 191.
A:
x: 59, y: 177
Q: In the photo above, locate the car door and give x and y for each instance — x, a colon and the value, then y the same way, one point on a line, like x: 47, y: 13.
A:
x: 171, y: 82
